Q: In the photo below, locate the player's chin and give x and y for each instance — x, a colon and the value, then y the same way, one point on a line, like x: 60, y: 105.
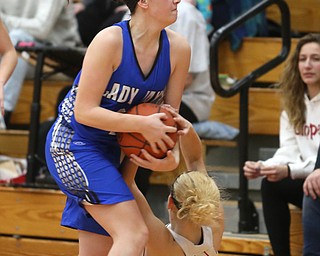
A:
x: 172, y: 17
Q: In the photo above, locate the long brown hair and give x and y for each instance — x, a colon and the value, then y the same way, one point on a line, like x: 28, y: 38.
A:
x: 293, y: 88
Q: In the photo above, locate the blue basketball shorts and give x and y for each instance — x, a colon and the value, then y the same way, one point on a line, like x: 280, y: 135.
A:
x: 85, y: 171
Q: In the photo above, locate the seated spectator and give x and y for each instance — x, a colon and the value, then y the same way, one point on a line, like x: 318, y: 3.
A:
x: 198, y: 96
x: 285, y: 172
x: 44, y: 22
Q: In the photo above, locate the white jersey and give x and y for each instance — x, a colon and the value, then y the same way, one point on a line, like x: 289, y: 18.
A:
x: 190, y: 249
x: 299, y: 150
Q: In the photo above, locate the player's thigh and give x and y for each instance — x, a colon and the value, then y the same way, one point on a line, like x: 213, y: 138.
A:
x: 93, y: 244
x: 121, y: 218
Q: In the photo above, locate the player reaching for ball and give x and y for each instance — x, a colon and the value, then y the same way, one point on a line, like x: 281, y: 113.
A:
x: 194, y: 204
x: 126, y: 64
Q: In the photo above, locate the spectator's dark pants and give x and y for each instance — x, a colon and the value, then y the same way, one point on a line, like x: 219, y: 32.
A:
x: 275, y: 199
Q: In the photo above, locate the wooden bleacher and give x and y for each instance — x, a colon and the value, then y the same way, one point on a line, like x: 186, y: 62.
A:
x: 264, y: 114
x: 305, y: 15
x: 15, y: 142
x: 32, y: 227
x: 49, y: 95
x: 249, y: 57
x: 254, y: 52
x: 264, y: 104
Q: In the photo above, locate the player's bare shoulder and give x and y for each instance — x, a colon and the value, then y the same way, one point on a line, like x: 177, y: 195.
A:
x: 110, y: 37
x: 178, y: 42
x: 179, y: 47
x: 108, y: 44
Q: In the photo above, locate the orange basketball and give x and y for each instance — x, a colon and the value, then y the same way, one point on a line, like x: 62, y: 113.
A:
x: 132, y: 143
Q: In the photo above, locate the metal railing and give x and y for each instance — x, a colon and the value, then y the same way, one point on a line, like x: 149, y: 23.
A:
x: 248, y: 216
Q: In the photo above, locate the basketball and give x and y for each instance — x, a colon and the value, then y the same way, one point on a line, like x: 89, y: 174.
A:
x: 132, y: 143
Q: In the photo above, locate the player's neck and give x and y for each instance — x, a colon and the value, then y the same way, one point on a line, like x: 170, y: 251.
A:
x: 190, y: 231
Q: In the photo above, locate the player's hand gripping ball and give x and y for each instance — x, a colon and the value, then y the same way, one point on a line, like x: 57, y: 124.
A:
x: 132, y: 143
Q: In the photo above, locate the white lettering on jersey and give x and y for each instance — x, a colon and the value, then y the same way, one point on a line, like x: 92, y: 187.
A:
x: 153, y: 96
x: 124, y: 94
x: 127, y: 94
x: 113, y: 93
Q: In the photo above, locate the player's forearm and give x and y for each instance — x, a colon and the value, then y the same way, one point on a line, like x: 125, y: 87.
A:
x: 191, y: 149
x: 128, y: 171
x: 7, y: 65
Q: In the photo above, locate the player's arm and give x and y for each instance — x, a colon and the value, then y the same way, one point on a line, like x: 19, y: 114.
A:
x: 102, y: 58
x: 191, y: 149
x: 169, y: 163
x: 192, y: 152
x: 159, y: 236
x: 190, y: 143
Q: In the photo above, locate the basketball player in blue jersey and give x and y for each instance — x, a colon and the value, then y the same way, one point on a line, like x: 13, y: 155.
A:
x: 129, y: 63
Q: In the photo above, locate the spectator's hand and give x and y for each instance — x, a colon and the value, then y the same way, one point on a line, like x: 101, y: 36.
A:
x: 275, y: 173
x: 168, y: 163
x: 311, y: 186
x: 252, y: 170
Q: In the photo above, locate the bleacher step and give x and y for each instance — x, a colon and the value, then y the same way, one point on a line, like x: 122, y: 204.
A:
x: 14, y: 142
x: 230, y: 180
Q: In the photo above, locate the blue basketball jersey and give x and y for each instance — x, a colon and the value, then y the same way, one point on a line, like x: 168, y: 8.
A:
x: 84, y: 160
x: 127, y: 86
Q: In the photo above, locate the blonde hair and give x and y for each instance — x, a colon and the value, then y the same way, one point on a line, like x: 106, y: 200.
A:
x: 197, y: 198
x: 293, y: 88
